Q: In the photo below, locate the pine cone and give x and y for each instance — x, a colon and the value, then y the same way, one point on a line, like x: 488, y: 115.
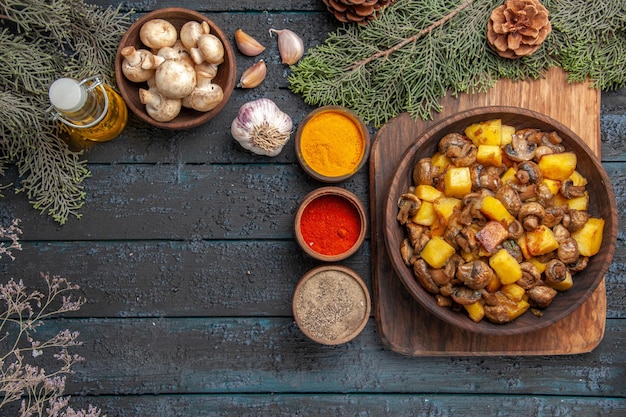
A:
x: 517, y: 28
x: 360, y: 11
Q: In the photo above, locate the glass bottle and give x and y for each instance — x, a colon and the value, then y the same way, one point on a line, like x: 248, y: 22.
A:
x: 90, y: 109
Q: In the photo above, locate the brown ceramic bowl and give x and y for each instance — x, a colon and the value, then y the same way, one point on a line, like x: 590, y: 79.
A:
x: 352, y: 233
x: 188, y: 118
x: 331, y: 304
x: 601, y: 204
x: 358, y: 126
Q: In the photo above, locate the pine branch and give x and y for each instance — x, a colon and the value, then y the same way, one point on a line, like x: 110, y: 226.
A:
x: 435, y: 25
x: 33, y: 34
x: 417, y: 52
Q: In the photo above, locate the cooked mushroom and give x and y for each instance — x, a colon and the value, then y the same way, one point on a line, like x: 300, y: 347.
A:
x: 553, y: 217
x: 408, y: 204
x: 541, y: 151
x: 581, y: 263
x: 550, y: 140
x: 576, y: 219
x: 464, y: 295
x: 541, y: 296
x: 528, y: 172
x: 424, y: 172
x: 531, y: 276
x: 444, y: 276
x: 528, y: 192
x: 485, y: 177
x: 466, y: 239
x: 515, y: 229
x: 569, y: 190
x: 531, y: 215
x: 519, y: 149
x: 568, y: 251
x: 460, y: 149
x: 417, y: 237
x: 510, y: 198
x: 476, y: 275
x: 553, y: 141
x: 555, y: 272
x: 422, y: 273
x: 545, y: 195
x: 498, y: 313
x: 443, y: 301
x: 560, y: 233
x: 407, y: 252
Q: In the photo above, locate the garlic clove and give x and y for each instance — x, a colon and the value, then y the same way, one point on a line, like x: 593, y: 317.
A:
x: 247, y: 45
x: 253, y: 76
x: 290, y: 46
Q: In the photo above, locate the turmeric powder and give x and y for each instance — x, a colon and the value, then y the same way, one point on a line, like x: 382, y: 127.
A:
x: 332, y: 144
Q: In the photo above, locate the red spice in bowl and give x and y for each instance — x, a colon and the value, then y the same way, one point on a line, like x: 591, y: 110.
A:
x: 330, y: 224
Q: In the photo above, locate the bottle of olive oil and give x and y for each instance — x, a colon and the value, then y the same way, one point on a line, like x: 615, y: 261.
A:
x: 90, y: 110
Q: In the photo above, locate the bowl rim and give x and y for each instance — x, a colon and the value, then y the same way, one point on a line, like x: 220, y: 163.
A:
x: 364, y: 133
x: 426, y: 299
x: 325, y: 191
x: 357, y: 278
x: 202, y: 117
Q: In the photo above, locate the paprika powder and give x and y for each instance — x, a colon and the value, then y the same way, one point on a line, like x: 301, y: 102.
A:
x: 330, y: 225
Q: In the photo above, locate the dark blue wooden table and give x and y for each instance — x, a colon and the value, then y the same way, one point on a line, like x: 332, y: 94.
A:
x: 186, y: 255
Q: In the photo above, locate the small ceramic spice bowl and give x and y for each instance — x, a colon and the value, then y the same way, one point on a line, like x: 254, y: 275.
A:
x: 331, y: 304
x: 330, y: 224
x: 332, y: 144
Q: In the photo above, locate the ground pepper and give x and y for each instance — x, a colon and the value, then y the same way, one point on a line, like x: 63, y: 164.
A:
x: 332, y: 144
x: 330, y: 225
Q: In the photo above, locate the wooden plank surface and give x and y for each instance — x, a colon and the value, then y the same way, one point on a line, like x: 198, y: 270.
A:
x: 404, y: 324
x: 188, y: 310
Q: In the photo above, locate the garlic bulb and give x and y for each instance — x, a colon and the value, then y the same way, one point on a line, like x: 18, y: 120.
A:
x: 290, y: 46
x: 261, y: 127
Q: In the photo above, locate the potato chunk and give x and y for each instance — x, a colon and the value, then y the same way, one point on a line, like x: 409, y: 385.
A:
x: 558, y: 166
x: 541, y: 241
x: 427, y: 193
x: 437, y: 252
x: 457, y: 182
x: 445, y: 206
x: 506, y: 267
x: 475, y: 311
x: 490, y: 155
x: 589, y: 237
x: 491, y: 235
x: 426, y: 215
x: 495, y: 210
x: 485, y: 133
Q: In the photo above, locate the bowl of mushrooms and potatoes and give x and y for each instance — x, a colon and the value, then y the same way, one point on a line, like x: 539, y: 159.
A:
x: 175, y: 68
x: 500, y: 220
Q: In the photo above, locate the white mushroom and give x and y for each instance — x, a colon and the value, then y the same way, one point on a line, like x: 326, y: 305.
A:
x: 175, y: 78
x: 191, y: 31
x: 209, y: 49
x: 139, y: 64
x: 157, y: 33
x: 176, y: 51
x: 206, y: 96
x: 210, y: 70
x: 158, y: 106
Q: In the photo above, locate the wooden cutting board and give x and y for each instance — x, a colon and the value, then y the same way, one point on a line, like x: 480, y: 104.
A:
x: 402, y: 323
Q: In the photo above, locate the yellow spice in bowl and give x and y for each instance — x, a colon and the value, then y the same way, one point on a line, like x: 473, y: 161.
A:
x: 332, y: 144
